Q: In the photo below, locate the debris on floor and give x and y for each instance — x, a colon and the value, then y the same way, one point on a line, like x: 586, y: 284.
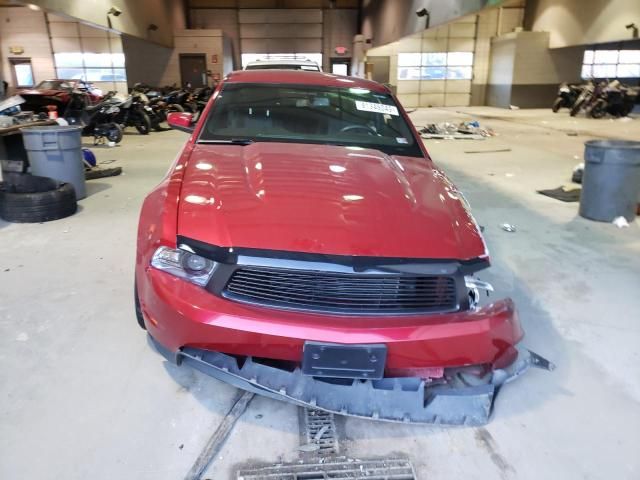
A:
x: 507, y: 227
x: 319, y: 432
x: 620, y: 222
x: 456, y: 131
x: 497, y: 150
x: 578, y: 170
x: 98, y: 172
x: 342, y: 469
x: 93, y: 171
x: 564, y: 193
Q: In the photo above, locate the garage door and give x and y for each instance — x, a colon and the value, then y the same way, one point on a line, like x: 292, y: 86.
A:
x: 280, y: 31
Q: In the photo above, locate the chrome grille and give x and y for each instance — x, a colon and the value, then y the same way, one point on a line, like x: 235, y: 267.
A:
x: 322, y: 291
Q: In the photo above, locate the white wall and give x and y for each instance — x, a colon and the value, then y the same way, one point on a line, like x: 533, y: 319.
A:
x: 21, y: 27
x: 136, y: 16
x: 387, y: 21
x: 207, y: 42
x: 582, y: 22
x: 472, y: 33
x: 70, y: 36
x: 456, y: 37
x: 526, y: 72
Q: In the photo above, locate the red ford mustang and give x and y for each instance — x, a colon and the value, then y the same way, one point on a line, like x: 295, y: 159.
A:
x: 304, y: 246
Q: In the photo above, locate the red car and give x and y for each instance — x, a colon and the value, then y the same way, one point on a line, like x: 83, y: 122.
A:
x: 56, y: 92
x: 304, y: 246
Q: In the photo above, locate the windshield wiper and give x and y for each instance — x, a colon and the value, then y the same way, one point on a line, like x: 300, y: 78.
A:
x: 231, y: 141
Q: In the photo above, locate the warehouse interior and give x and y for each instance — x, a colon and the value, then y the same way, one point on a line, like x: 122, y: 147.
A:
x: 511, y: 100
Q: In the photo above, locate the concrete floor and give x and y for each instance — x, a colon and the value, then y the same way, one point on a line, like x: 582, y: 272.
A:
x: 82, y: 394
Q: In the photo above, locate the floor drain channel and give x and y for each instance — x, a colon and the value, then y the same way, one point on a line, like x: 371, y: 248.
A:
x: 388, y: 469
x: 320, y: 431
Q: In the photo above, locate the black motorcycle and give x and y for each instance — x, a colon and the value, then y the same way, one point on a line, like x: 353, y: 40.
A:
x: 180, y: 97
x: 155, y: 105
x: 567, y: 96
x: 615, y: 99
x: 133, y: 114
x: 201, y: 97
x: 98, y: 120
x: 589, y: 93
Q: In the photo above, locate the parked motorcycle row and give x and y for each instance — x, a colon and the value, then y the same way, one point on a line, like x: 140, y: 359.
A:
x: 597, y: 99
x: 145, y: 109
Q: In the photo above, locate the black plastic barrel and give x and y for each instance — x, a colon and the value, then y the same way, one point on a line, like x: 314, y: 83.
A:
x: 611, y: 180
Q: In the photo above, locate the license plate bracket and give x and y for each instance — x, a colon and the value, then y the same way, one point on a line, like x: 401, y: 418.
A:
x: 366, y: 361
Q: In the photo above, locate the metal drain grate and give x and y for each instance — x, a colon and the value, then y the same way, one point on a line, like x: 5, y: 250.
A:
x: 391, y: 469
x: 320, y: 430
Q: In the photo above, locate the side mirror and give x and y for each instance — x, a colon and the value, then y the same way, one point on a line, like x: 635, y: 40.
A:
x: 181, y: 121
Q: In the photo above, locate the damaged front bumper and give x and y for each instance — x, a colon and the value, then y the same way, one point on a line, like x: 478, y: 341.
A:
x: 400, y: 399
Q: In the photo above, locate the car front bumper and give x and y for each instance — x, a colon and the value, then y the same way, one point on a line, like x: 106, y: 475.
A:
x: 190, y: 325
x: 181, y: 315
x: 399, y: 399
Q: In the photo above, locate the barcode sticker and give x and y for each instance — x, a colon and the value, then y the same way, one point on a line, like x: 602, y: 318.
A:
x: 377, y: 108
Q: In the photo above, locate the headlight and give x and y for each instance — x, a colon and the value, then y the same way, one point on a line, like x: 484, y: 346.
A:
x: 474, y: 286
x: 186, y: 265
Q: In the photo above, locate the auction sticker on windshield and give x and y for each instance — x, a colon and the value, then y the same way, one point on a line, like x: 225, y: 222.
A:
x: 376, y: 108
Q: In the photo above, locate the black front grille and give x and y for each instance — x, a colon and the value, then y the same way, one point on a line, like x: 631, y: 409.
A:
x: 321, y: 291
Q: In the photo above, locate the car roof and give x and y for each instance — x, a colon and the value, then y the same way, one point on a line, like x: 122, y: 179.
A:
x: 283, y: 61
x: 302, y: 77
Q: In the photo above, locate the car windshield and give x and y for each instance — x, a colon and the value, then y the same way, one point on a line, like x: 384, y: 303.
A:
x: 54, y: 85
x: 282, y: 66
x: 309, y: 114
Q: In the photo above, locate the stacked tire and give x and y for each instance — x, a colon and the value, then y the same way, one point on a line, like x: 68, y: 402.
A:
x: 32, y: 199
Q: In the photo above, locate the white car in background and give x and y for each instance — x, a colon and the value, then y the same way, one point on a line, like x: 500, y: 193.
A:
x: 283, y: 64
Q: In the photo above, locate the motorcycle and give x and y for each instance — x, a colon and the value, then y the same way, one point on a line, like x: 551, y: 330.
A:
x: 589, y: 92
x: 155, y: 105
x: 201, y: 96
x: 567, y: 96
x: 181, y: 97
x: 98, y: 120
x: 615, y: 99
x: 134, y: 114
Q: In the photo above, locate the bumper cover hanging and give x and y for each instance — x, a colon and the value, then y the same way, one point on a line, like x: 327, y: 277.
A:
x: 401, y: 399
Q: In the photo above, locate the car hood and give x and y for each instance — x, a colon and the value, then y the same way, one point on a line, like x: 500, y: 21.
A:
x: 40, y: 92
x: 324, y: 199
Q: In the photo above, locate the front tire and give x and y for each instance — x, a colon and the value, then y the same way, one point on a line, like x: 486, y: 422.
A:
x: 576, y: 108
x: 143, y: 124
x: 136, y: 300
x: 556, y: 105
x: 114, y: 133
x: 598, y: 110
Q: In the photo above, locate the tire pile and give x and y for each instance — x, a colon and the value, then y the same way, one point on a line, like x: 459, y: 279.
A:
x: 28, y: 198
